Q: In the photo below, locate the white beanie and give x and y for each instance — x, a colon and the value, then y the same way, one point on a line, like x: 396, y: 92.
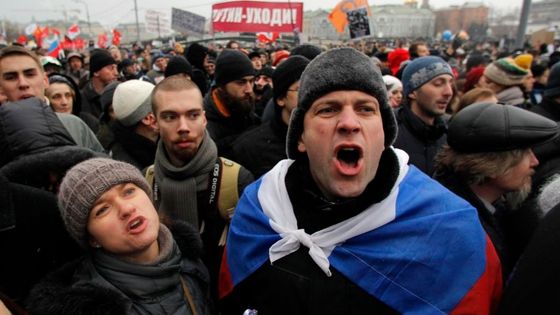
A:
x: 132, y: 101
x: 392, y: 83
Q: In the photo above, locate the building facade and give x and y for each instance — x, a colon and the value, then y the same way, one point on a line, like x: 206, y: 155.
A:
x: 465, y: 17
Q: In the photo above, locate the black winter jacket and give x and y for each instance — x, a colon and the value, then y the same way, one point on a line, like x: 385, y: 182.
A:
x: 130, y: 147
x: 260, y: 148
x: 548, y: 108
x: 420, y: 141
x: 31, y: 229
x: 224, y: 130
x: 29, y: 126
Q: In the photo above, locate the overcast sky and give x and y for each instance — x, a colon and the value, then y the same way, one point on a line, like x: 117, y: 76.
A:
x: 112, y: 12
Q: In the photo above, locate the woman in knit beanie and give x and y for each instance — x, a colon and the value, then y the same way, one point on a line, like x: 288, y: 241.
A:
x: 133, y: 263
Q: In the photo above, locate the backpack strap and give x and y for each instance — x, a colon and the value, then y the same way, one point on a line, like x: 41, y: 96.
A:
x: 228, y: 195
x: 150, y: 177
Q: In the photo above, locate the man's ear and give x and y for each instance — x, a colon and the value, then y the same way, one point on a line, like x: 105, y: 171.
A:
x: 412, y: 95
x: 150, y: 120
x: 281, y: 101
x: 301, y: 145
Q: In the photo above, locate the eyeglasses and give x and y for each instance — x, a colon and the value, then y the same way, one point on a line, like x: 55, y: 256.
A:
x: 293, y: 90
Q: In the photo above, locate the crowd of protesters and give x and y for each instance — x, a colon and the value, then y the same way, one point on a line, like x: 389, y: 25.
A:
x: 369, y: 177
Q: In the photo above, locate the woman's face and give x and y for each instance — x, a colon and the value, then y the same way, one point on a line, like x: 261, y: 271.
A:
x: 124, y: 222
x: 61, y: 97
x: 395, y: 97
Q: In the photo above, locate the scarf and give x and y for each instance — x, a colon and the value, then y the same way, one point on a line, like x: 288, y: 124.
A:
x: 179, y: 185
x: 143, y: 281
x: 277, y: 207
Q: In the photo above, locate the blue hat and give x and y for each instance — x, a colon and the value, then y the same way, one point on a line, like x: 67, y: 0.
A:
x: 422, y: 70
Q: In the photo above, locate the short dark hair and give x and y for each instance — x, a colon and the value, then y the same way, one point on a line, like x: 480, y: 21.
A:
x: 172, y: 83
x: 16, y: 50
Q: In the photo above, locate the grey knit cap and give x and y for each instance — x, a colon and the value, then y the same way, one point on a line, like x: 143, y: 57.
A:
x: 336, y: 70
x: 84, y: 183
x: 421, y: 70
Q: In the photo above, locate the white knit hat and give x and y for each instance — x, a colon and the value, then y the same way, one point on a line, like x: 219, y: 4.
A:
x: 392, y: 83
x: 132, y: 101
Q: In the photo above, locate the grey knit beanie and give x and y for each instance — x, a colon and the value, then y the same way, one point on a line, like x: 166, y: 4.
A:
x: 84, y: 183
x: 336, y: 70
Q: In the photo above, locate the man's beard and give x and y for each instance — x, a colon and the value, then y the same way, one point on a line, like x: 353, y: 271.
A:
x: 258, y: 91
x: 237, y: 106
x: 515, y: 199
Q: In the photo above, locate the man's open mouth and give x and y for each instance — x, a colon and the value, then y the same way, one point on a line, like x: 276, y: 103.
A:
x: 349, y: 156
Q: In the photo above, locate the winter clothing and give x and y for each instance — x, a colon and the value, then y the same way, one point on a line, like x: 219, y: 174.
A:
x: 421, y: 70
x: 91, y: 121
x: 224, y: 125
x: 36, y: 152
x: 279, y: 56
x: 91, y: 100
x: 505, y: 72
x: 232, y: 65
x: 513, y: 95
x: 178, y: 65
x: 532, y: 287
x: 286, y: 74
x: 106, y: 99
x: 132, y: 101
x: 419, y: 140
x: 502, y: 226
x: 80, y: 132
x: 308, y: 51
x: 185, y: 193
x: 131, y: 147
x: 28, y: 127
x: 84, y: 183
x: 99, y: 59
x: 392, y: 83
x: 260, y: 148
x: 553, y: 85
x: 285, y: 232
x: 472, y: 79
x: 104, y: 284
x: 396, y: 58
x: 339, y: 69
x: 548, y: 108
x: 487, y: 127
x: 196, y: 54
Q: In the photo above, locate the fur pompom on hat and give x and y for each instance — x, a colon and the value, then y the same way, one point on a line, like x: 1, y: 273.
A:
x: 84, y: 183
x: 336, y: 70
x: 132, y: 101
x: 421, y: 70
x: 506, y: 72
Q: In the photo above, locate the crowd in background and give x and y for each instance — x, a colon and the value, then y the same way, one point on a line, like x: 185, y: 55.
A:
x: 198, y: 123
